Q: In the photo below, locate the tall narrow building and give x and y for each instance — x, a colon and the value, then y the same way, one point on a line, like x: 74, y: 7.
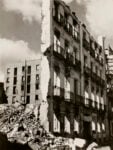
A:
x: 76, y: 97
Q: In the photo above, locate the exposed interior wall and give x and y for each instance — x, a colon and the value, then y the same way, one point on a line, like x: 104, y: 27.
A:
x: 46, y: 24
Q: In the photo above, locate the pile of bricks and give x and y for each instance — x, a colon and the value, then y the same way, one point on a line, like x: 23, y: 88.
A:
x: 21, y: 124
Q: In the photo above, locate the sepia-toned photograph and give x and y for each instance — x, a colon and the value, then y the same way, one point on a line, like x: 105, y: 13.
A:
x: 56, y: 74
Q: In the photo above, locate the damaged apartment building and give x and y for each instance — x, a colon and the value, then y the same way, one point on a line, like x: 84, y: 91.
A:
x: 77, y: 83
x: 72, y: 81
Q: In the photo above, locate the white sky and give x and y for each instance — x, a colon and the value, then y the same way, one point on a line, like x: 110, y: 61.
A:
x: 20, y: 26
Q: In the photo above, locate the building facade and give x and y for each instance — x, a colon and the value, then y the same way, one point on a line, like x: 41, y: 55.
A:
x: 109, y: 75
x: 77, y: 87
x: 22, y: 82
x: 3, y: 98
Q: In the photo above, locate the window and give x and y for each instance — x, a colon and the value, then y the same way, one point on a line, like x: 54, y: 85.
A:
x: 85, y: 61
x: 37, y: 67
x: 13, y: 99
x: 93, y: 124
x: 56, y: 82
x: 36, y: 97
x: 91, y: 66
x: 37, y: 77
x: 98, y: 127
x: 75, y: 52
x: 23, y: 79
x: 37, y: 86
x: 22, y: 98
x: 75, y: 29
x: 28, y: 88
x: 67, y: 88
x: 7, y: 80
x: 29, y: 69
x: 76, y: 126
x: 23, y: 68
x: 14, y: 90
x: 15, y: 71
x: 7, y: 90
x: 22, y: 87
x: 28, y: 99
x: 56, y: 122
x: 15, y: 80
x: 28, y: 79
x: 57, y: 41
x: 96, y: 70
x: 67, y: 46
x: 8, y: 70
x: 66, y: 125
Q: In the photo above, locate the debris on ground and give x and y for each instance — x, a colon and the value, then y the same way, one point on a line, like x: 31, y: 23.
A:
x: 22, y: 124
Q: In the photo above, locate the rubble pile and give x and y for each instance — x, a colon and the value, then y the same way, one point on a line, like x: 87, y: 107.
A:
x: 22, y: 124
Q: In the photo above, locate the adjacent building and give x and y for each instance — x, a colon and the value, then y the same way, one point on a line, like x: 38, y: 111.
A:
x: 3, y: 98
x: 22, y: 82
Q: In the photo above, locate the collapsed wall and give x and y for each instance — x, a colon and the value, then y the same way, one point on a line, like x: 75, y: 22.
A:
x: 46, y: 26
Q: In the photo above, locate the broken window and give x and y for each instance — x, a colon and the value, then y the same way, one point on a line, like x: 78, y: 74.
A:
x: 29, y: 70
x: 28, y: 99
x: 36, y: 97
x: 15, y: 71
x: 28, y: 88
x: 14, y: 90
x: 15, y: 80
x: 37, y: 86
x: 7, y: 80
x: 28, y: 79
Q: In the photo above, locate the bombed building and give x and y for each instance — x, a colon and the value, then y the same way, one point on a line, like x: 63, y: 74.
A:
x: 76, y: 82
x: 69, y: 80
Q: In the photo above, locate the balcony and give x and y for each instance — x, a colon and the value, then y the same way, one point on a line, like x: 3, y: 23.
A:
x: 78, y: 100
x: 68, y: 27
x: 77, y: 65
x: 86, y: 44
x: 88, y: 103
x: 69, y: 96
x: 67, y: 71
x: 92, y: 52
x: 87, y: 71
x: 58, y: 51
x: 59, y: 19
x: 69, y: 59
x: 97, y: 57
x: 93, y: 76
x: 76, y: 37
x: 58, y: 92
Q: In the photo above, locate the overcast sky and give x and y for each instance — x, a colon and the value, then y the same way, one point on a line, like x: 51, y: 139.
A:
x: 20, y: 26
